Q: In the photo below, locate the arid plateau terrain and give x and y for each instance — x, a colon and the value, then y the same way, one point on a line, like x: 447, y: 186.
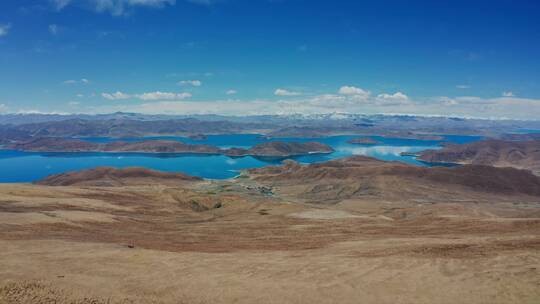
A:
x: 354, y: 230
x: 269, y: 152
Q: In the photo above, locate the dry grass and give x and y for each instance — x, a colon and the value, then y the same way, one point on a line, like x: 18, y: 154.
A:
x: 37, y: 292
x: 193, y: 245
x: 42, y: 293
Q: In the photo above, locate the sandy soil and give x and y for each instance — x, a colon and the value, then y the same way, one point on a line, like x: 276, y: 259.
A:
x: 217, y: 243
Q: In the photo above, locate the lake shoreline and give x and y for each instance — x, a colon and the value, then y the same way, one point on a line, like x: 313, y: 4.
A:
x: 21, y: 166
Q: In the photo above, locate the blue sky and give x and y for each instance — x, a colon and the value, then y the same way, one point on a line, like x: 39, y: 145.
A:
x: 464, y: 58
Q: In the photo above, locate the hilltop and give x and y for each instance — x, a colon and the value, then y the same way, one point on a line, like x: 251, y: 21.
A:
x: 360, y: 176
x: 107, y: 176
x: 499, y: 153
x: 281, y: 149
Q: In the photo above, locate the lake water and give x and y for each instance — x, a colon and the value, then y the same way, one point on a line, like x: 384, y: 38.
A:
x: 26, y: 167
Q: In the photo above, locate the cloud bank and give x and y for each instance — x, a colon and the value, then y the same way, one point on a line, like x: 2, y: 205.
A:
x: 284, y: 92
x: 74, y: 81
x: 150, y: 96
x: 119, y: 7
x: 386, y: 103
x: 195, y: 83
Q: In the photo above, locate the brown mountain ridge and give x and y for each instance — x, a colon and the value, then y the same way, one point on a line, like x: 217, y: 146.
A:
x: 108, y: 176
x: 361, y: 176
x: 498, y: 153
x: 269, y: 149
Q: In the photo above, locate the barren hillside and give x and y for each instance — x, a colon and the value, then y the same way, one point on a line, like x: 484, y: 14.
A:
x: 378, y: 232
x: 517, y: 154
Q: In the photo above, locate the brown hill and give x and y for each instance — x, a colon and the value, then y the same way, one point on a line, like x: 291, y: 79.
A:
x: 498, y: 153
x: 159, y: 146
x: 107, y: 176
x: 281, y: 149
x: 10, y: 134
x: 361, y: 176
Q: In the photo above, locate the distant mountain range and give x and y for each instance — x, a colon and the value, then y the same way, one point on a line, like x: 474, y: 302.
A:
x: 17, y: 127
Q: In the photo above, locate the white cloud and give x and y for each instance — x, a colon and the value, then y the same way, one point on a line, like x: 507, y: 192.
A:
x: 60, y: 4
x: 4, y: 29
x: 115, y: 96
x: 396, y: 98
x: 150, y: 96
x: 502, y: 107
x: 446, y: 101
x: 73, y: 81
x: 53, y: 29
x: 327, y: 99
x: 80, y: 95
x: 195, y: 83
x: 465, y: 106
x: 459, y: 102
x: 351, y: 100
x: 354, y: 91
x: 163, y: 96
x: 34, y: 111
x: 3, y: 108
x: 284, y: 92
x: 114, y: 7
x: 463, y: 86
x: 508, y: 94
x: 73, y: 103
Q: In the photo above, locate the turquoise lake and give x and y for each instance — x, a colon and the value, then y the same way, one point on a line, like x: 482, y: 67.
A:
x: 27, y: 167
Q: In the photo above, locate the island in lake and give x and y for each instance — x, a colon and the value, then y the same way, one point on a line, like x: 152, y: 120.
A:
x: 269, y: 149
